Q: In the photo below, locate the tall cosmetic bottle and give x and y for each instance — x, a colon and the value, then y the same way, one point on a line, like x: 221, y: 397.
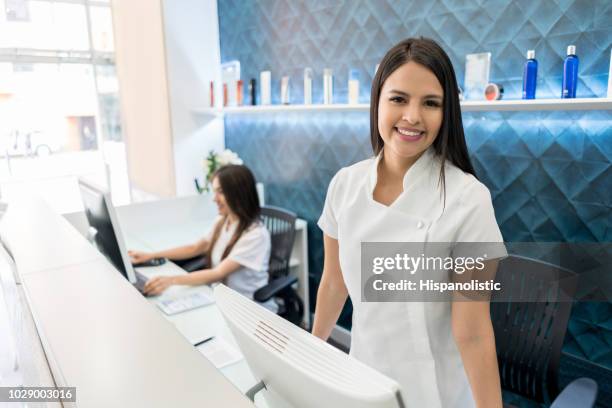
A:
x: 265, y: 81
x: 328, y: 86
x: 570, y: 73
x: 253, y: 91
x: 239, y: 91
x: 353, y: 87
x: 530, y: 76
x: 285, y: 90
x: 307, y: 86
x: 610, y: 77
x: 212, y: 94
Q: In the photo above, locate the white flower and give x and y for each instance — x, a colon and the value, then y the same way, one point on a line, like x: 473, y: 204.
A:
x: 228, y: 157
x: 224, y: 157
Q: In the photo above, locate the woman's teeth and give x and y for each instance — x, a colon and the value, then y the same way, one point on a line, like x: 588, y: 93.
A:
x: 409, y: 132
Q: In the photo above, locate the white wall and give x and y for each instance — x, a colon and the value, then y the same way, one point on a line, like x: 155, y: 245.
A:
x: 193, y: 59
x: 167, y: 52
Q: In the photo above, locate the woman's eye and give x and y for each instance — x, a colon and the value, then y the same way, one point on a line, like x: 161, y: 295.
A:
x: 396, y: 99
x: 432, y: 104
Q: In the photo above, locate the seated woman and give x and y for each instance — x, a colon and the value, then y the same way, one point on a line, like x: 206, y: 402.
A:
x: 238, y: 245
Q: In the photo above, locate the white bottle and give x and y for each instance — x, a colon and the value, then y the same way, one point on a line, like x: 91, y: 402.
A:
x: 307, y: 86
x: 328, y: 86
x: 265, y: 78
x: 285, y: 90
x: 353, y: 87
x: 610, y: 77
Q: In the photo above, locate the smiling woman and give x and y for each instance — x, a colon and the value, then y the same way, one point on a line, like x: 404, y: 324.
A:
x: 416, y: 91
x: 409, y: 119
x: 419, y: 187
x: 410, y: 110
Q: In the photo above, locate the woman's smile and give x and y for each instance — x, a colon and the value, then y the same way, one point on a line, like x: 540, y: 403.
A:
x: 409, y: 134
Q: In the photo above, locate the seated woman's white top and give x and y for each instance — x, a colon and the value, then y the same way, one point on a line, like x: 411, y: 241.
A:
x: 252, y: 252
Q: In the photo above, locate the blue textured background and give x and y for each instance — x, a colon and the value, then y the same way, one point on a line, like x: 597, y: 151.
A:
x: 550, y: 173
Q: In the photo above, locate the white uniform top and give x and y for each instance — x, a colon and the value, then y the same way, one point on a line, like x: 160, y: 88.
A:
x: 410, y: 342
x: 252, y: 252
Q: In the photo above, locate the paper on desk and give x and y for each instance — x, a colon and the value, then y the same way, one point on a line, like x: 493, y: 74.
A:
x: 220, y: 352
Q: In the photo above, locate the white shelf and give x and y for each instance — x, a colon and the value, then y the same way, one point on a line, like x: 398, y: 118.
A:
x: 466, y: 106
x: 283, y: 108
x: 538, y: 105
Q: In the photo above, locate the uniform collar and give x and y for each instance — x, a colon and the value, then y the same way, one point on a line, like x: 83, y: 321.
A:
x: 419, y: 172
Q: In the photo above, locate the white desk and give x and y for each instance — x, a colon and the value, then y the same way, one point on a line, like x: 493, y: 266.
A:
x: 98, y: 333
x: 197, y: 324
x: 158, y: 225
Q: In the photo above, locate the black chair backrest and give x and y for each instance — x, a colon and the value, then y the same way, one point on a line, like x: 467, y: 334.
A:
x: 281, y: 225
x: 529, y: 335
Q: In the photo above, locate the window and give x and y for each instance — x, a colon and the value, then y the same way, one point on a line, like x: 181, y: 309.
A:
x: 50, y: 25
x: 59, y: 95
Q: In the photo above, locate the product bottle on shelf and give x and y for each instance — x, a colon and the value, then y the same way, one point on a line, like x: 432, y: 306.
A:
x: 212, y: 94
x: 307, y: 86
x: 265, y: 82
x: 328, y: 86
x: 570, y: 73
x: 239, y: 86
x: 353, y: 87
x: 285, y: 90
x: 253, y: 91
x: 610, y: 77
x: 530, y: 76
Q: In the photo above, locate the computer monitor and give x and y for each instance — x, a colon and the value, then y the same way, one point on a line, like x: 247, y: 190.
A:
x: 105, y: 229
x: 297, y: 368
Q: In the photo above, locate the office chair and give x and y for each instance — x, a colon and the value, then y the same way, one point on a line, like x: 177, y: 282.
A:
x: 529, y: 335
x: 281, y: 225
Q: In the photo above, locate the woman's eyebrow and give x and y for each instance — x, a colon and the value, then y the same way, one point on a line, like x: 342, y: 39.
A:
x: 407, y: 94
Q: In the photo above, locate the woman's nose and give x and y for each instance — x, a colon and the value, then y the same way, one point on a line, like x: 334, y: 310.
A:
x: 412, y: 113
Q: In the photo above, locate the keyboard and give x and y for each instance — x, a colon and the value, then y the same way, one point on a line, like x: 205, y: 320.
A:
x: 140, y: 281
x: 184, y: 303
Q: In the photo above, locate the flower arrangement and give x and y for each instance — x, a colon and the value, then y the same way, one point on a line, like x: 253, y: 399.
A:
x: 212, y: 163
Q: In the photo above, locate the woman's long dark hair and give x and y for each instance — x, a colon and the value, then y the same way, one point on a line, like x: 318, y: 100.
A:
x: 238, y: 186
x: 450, y: 143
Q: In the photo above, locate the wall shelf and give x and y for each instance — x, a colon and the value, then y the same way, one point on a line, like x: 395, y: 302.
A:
x: 466, y: 106
x: 283, y: 108
x: 538, y: 105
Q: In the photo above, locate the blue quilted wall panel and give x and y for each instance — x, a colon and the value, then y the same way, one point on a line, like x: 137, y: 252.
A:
x: 550, y: 173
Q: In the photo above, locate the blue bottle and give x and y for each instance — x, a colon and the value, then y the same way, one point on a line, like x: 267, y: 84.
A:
x: 530, y: 76
x: 570, y: 73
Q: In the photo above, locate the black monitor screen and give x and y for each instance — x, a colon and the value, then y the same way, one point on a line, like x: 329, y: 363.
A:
x: 99, y: 218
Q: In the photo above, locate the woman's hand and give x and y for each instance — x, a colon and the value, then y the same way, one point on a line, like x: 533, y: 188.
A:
x: 140, y: 257
x: 158, y: 284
